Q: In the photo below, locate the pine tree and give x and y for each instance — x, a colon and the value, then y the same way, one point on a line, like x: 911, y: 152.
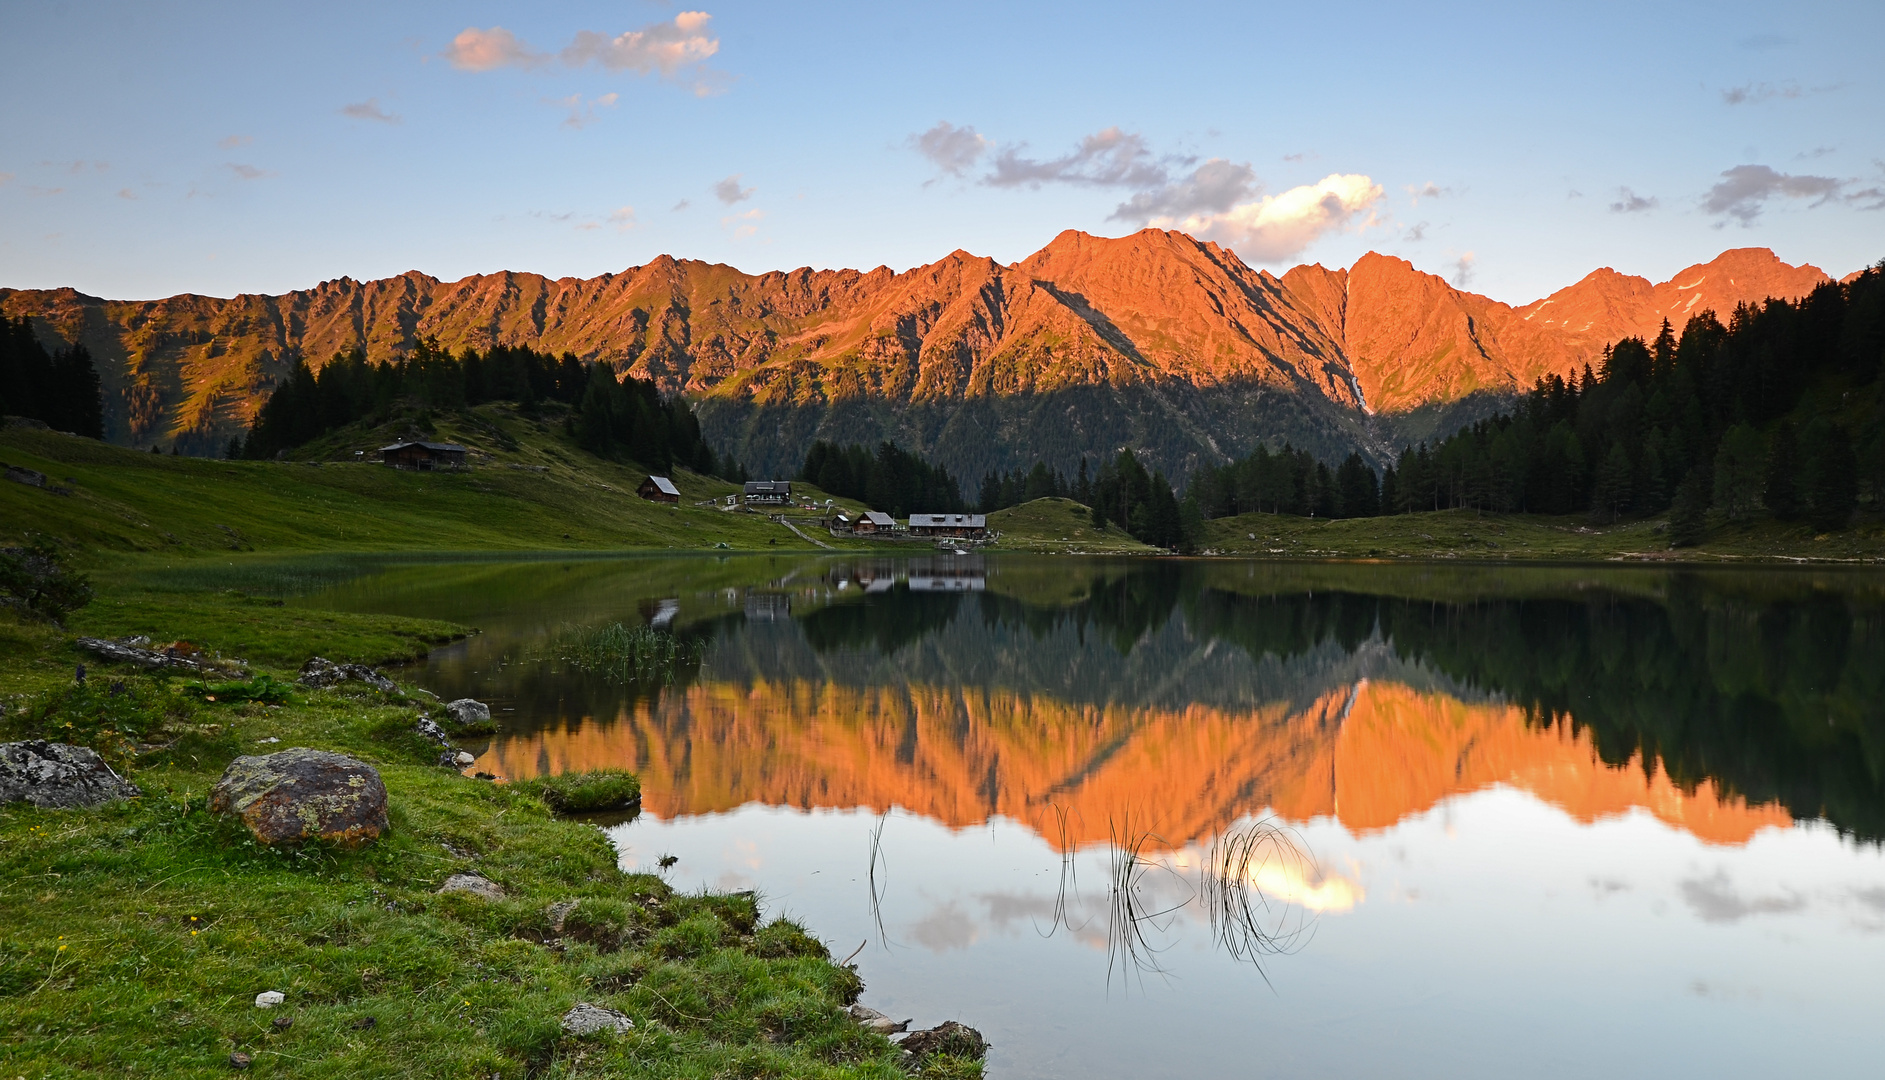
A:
x: 1739, y: 465
x: 1688, y: 516
x: 1832, y: 476
x: 1781, y: 493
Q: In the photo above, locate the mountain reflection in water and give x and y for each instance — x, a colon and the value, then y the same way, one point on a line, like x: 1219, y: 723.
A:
x: 1498, y: 821
x: 1193, y: 697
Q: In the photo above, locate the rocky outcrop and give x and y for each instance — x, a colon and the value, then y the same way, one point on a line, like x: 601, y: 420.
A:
x: 177, y: 656
x: 473, y: 885
x: 300, y: 795
x: 320, y: 672
x: 58, y: 776
x: 949, y: 1037
x: 587, y: 1019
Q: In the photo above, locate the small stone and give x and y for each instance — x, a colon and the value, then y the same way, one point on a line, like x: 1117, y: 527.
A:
x: 469, y: 711
x: 240, y: 1060
x: 948, y: 1037
x: 365, y: 1023
x: 283, y: 1023
x: 475, y: 884
x: 430, y: 729
x: 464, y: 759
x: 558, y: 913
x: 587, y: 1019
x: 268, y: 999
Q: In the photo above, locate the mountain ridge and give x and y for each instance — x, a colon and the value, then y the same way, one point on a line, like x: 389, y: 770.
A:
x: 1155, y: 339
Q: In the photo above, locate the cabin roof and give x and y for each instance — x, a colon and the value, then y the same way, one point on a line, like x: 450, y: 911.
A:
x: 442, y: 447
x: 948, y: 521
x: 664, y: 485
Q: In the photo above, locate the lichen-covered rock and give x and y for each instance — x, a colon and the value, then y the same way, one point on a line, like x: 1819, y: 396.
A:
x: 177, y: 656
x: 948, y: 1037
x: 469, y: 711
x: 58, y: 776
x: 474, y: 884
x: 587, y: 1019
x: 321, y: 672
x: 299, y: 795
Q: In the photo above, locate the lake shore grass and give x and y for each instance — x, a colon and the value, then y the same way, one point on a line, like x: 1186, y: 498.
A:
x: 139, y: 933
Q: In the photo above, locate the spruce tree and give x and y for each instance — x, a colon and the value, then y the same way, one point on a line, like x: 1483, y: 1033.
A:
x: 1832, y: 476
x: 1781, y: 493
x: 1688, y: 517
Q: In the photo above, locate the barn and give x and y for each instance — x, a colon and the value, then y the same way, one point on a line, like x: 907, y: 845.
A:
x: 659, y: 489
x: 423, y: 456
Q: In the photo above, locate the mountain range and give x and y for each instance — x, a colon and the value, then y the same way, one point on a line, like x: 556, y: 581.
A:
x: 1155, y: 340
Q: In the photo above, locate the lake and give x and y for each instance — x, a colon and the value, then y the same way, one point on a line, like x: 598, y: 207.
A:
x: 1156, y: 817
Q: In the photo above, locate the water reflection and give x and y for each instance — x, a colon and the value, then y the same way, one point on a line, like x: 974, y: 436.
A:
x: 1458, y: 817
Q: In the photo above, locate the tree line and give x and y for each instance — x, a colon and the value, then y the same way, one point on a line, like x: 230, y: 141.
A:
x: 59, y: 388
x: 890, y: 479
x: 610, y: 416
x: 1778, y: 409
x: 1290, y: 481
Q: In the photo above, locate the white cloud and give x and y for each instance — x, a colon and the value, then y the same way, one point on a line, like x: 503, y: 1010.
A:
x: 233, y: 141
x: 369, y: 110
x: 664, y: 48
x: 1428, y: 190
x: 729, y: 190
x: 1744, y: 190
x: 1629, y: 202
x: 250, y: 172
x: 954, y: 150
x: 622, y: 218
x: 1277, y: 227
x: 743, y: 225
x: 487, y: 50
x: 1463, y: 270
x: 582, y: 112
x: 1754, y: 93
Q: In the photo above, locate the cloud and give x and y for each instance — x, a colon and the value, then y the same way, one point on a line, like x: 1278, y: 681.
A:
x: 1765, y: 41
x: 1715, y: 900
x: 369, y: 110
x: 954, y: 150
x: 729, y: 190
x: 487, y: 50
x: 663, y: 48
x: 622, y: 218
x: 1744, y: 190
x: 743, y: 224
x: 1416, y: 234
x: 1754, y: 93
x: 1212, y: 188
x: 582, y: 113
x: 1816, y: 152
x: 1277, y: 227
x: 680, y: 206
x: 1629, y: 202
x: 1109, y: 158
x: 1463, y: 270
x: 127, y: 193
x: 1428, y: 190
x: 658, y: 47
x: 250, y: 172
x: 232, y: 141
x: 1298, y: 156
x: 5, y: 178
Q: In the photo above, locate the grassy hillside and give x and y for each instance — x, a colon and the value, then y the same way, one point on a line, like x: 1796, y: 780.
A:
x: 529, y: 489
x: 1059, y: 526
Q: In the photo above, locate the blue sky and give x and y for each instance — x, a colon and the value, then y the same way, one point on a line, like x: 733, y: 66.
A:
x: 150, y: 149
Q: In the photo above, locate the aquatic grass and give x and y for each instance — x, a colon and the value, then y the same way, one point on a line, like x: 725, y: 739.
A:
x: 1245, y: 923
x: 640, y: 655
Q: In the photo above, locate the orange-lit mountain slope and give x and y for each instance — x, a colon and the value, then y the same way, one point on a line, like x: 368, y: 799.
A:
x: 1154, y: 319
x: 1369, y: 756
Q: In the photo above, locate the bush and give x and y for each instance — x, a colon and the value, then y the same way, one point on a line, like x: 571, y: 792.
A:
x: 586, y: 792
x: 36, y: 578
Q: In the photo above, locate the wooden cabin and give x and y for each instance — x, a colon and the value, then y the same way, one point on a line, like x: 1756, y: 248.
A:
x: 659, y: 489
x: 955, y: 526
x: 423, y: 456
x: 768, y: 492
x: 874, y: 521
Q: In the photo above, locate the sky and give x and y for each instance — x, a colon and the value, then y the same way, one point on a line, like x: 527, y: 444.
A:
x: 150, y: 149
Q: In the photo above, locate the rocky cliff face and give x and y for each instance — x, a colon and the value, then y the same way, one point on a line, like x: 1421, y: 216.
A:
x: 1154, y: 340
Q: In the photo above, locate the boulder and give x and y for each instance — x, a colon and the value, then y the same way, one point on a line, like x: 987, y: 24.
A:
x: 299, y: 795
x: 58, y: 776
x: 587, y: 1019
x: 469, y: 711
x: 948, y: 1037
x: 320, y: 672
x: 475, y: 884
x: 177, y: 656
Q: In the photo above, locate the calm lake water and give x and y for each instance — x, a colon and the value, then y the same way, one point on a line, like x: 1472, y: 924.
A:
x: 1249, y: 819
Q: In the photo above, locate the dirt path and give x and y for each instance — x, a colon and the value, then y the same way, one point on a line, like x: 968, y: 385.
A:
x: 802, y: 536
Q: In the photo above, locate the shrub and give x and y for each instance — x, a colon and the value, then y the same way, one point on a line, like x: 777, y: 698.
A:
x: 36, y: 578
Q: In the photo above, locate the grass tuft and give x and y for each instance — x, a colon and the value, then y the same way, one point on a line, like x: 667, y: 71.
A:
x: 597, y: 791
